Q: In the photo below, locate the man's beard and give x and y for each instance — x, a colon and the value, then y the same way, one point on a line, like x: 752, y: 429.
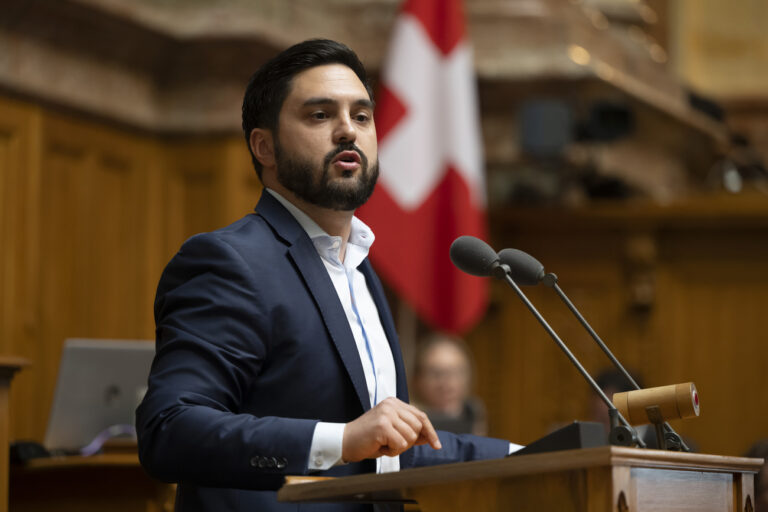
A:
x: 346, y: 193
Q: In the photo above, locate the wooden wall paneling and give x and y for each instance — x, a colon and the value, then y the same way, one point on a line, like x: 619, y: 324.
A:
x: 92, y: 263
x: 19, y: 204
x: 498, y: 368
x: 242, y: 187
x: 713, y: 298
x: 209, y: 183
x: 58, y: 300
x: 100, y: 203
x: 192, y: 198
x: 152, y: 204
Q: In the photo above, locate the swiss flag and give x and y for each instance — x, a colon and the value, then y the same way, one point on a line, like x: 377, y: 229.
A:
x: 432, y: 186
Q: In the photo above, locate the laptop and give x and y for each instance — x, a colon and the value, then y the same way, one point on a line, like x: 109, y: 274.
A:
x: 99, y: 386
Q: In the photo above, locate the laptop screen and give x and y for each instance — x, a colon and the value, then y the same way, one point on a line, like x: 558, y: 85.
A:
x: 100, y: 384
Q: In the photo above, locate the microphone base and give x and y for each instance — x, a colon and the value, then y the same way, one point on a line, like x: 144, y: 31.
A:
x: 622, y: 435
x: 579, y: 434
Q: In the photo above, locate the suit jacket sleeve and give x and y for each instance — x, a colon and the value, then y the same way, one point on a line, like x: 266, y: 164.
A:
x: 212, y: 341
x: 456, y: 448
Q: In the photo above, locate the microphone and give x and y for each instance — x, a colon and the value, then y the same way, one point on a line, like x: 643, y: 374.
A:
x: 523, y: 268
x: 664, y: 402
x: 531, y: 273
x: 477, y: 258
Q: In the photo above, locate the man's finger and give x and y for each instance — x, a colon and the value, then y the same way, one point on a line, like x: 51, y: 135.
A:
x: 396, y: 443
x: 407, y: 431
x: 412, y: 418
x: 427, y: 433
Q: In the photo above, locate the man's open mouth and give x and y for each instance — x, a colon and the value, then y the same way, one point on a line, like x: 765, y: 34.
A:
x: 347, y: 157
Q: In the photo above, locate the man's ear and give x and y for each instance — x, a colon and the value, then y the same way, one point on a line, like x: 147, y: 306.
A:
x: 263, y: 146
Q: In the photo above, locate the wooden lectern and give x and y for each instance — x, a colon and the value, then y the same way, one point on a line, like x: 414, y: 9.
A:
x: 605, y: 479
x: 9, y: 365
x: 113, y: 482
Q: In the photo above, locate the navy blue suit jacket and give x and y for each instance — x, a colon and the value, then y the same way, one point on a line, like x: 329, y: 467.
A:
x: 253, y: 349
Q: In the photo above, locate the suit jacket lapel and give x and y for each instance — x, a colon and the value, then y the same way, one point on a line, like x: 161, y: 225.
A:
x: 310, y: 266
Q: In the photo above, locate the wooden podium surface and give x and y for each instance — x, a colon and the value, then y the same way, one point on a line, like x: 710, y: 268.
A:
x: 602, y: 479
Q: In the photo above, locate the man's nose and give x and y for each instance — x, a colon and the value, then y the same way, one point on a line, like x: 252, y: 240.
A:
x: 344, y: 131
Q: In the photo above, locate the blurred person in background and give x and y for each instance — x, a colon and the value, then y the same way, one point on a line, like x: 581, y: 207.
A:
x: 443, y: 385
x: 611, y: 381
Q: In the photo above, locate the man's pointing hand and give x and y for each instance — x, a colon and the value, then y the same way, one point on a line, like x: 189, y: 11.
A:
x: 390, y: 428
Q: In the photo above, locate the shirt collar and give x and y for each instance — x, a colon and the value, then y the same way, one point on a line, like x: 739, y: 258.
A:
x: 361, y: 237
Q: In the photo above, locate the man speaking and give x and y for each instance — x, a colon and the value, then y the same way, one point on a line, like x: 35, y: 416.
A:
x: 276, y: 351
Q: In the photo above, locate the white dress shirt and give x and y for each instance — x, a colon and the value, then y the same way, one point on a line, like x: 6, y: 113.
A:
x: 363, y: 317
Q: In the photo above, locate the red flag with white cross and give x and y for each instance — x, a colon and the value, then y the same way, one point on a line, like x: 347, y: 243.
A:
x: 432, y: 186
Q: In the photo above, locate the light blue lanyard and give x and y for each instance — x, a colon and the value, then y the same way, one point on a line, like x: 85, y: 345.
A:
x: 365, y: 337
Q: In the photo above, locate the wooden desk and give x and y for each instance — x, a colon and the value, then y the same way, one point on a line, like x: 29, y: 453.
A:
x: 609, y: 479
x: 9, y: 365
x: 112, y: 482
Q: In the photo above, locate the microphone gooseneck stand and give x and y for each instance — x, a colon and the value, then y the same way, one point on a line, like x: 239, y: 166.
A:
x: 669, y: 439
x: 622, y: 435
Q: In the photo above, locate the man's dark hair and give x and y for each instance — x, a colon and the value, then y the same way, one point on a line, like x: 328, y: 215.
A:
x: 271, y: 83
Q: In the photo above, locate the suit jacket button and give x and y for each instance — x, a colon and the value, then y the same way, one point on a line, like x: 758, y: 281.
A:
x: 263, y: 462
x: 281, y: 462
x: 272, y: 462
x: 255, y: 461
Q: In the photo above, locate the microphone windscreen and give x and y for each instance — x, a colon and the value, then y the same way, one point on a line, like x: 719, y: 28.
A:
x: 473, y: 256
x: 524, y: 269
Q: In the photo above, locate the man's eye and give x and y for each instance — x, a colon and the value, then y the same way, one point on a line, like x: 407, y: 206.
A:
x: 319, y: 115
x: 362, y: 118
